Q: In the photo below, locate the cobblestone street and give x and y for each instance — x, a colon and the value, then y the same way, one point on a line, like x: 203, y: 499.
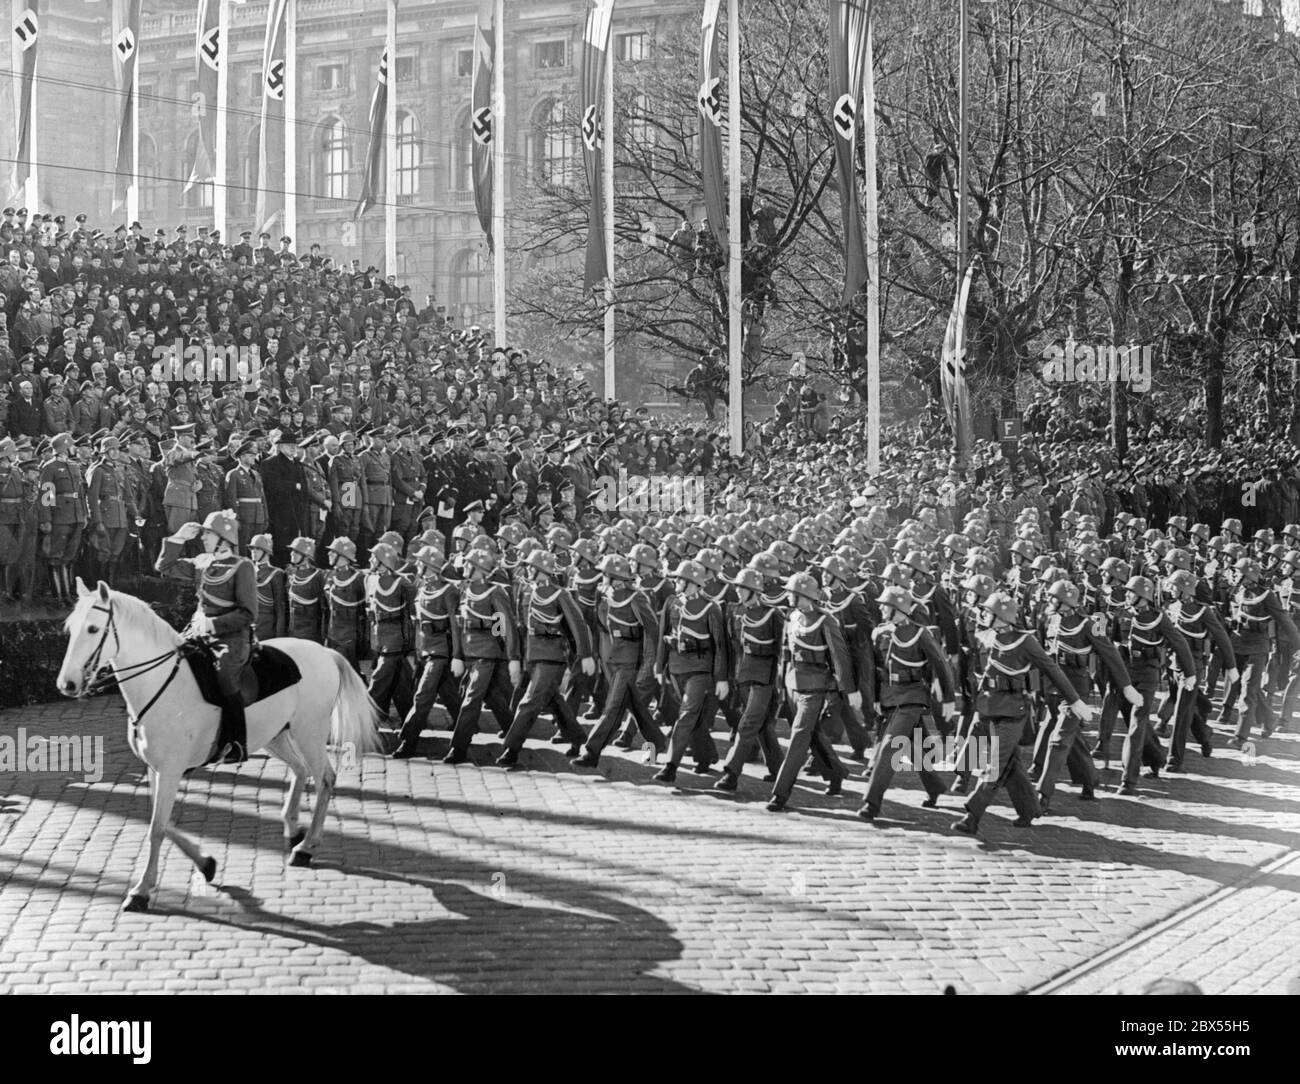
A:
x: 438, y: 878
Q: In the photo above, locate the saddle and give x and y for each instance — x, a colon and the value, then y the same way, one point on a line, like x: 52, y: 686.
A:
x: 269, y: 671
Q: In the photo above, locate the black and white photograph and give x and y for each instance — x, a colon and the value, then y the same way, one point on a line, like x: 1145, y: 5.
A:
x: 635, y: 497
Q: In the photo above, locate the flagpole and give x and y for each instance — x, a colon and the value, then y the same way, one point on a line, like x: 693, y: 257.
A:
x: 873, y: 260
x: 499, y: 176
x: 32, y: 196
x: 390, y: 147
x: 735, y: 384
x: 291, y: 119
x: 963, y: 142
x: 133, y: 188
x: 607, y: 163
x: 219, y: 193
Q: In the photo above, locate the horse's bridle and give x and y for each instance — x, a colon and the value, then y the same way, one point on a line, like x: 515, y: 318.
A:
x: 135, y: 670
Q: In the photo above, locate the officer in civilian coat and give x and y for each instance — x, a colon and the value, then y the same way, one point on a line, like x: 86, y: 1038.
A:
x: 489, y: 640
x: 908, y: 660
x: 284, y: 484
x: 305, y: 591
x: 817, y: 668
x: 694, y: 656
x: 272, y: 589
x: 627, y: 634
x: 390, y: 602
x: 552, y: 624
x: 437, y: 641
x: 1003, y: 704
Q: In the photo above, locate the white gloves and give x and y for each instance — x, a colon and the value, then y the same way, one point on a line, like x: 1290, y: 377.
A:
x: 1132, y: 696
x: 457, y: 668
x: 855, y: 700
x: 202, y: 625
x: 516, y: 672
x: 589, y: 666
x: 948, y: 709
x: 721, y: 689
x: 1233, y: 676
x: 1189, y: 682
x: 1082, y: 711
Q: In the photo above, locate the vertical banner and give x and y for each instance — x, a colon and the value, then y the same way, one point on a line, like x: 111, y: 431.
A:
x: 370, y: 183
x: 24, y: 29
x: 595, y: 70
x: 952, y: 370
x: 710, y: 103
x: 207, y: 63
x: 872, y: 210
x: 126, y: 39
x: 271, y: 179
x: 481, y: 121
x: 848, y: 60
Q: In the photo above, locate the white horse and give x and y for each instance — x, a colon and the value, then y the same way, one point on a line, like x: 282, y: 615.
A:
x: 173, y: 729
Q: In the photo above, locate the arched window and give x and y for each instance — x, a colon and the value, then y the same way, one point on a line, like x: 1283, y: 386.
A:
x: 462, y: 155
x: 198, y: 195
x: 553, y: 143
x: 408, y: 155
x: 252, y: 162
x: 330, y: 179
x: 470, y: 286
x: 149, y: 174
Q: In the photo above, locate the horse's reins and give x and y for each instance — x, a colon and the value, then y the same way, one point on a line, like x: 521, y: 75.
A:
x: 136, y: 670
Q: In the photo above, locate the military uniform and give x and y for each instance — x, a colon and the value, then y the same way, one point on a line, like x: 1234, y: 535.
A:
x: 348, y: 493
x: 489, y: 639
x: 345, y: 596
x: 407, y: 481
x: 849, y: 609
x: 378, y: 495
x: 271, y: 601
x: 306, y: 591
x: 63, y: 511
x: 1149, y: 633
x: 1203, y: 629
x: 551, y: 622
x: 180, y: 498
x: 318, y: 492
x: 693, y: 655
x: 757, y: 631
x: 437, y: 641
x: 245, y: 495
x: 11, y: 528
x: 627, y: 633
x: 112, y: 511
x: 1256, y: 618
x: 390, y: 600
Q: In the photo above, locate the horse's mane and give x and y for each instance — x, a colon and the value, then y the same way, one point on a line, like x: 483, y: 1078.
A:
x: 134, y: 617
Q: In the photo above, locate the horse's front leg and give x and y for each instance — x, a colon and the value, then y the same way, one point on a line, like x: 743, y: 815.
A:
x: 162, y: 789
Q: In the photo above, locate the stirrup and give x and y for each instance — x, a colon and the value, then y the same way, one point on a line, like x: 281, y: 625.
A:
x: 233, y: 753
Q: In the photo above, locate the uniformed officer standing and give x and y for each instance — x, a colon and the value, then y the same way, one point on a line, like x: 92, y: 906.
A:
x: 111, y: 508
x: 180, y: 498
x: 62, y: 515
x: 376, y: 469
x: 1003, y: 705
x: 390, y: 602
x: 347, y: 488
x: 319, y: 503
x: 489, y: 638
x: 437, y: 642
x: 552, y: 623
x: 345, y: 594
x: 407, y: 479
x: 817, y: 667
x: 11, y: 520
x: 694, y: 655
x: 245, y: 495
x: 306, y: 592
x: 628, y: 633
x: 272, y: 609
x: 907, y: 661
x: 226, y: 613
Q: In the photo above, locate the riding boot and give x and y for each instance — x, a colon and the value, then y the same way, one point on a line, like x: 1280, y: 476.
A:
x: 233, y: 731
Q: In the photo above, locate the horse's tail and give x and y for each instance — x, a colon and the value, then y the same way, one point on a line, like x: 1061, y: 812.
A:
x: 355, y: 719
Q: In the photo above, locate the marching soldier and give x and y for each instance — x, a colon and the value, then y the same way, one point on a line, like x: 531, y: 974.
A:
x: 1203, y: 629
x: 390, y: 600
x: 437, y: 642
x: 306, y: 592
x: 271, y: 589
x: 489, y: 637
x: 817, y: 667
x: 1257, y: 619
x: 908, y: 661
x: 345, y: 593
x: 112, y: 510
x: 694, y: 654
x: 628, y: 633
x: 1003, y: 704
x: 226, y: 613
x: 62, y: 516
x: 244, y: 494
x: 551, y: 621
x: 847, y: 607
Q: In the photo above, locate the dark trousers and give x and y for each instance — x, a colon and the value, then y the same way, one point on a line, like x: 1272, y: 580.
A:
x: 391, y: 682
x: 624, y: 696
x: 757, y: 728
x: 1141, y: 746
x: 434, y: 682
x: 1252, y: 705
x: 487, y: 681
x: 807, y: 735
x: 1190, y: 710
x: 1007, y: 771
x: 902, y: 725
x: 1062, y: 745
x: 543, y: 694
x: 692, y: 725
x: 230, y: 667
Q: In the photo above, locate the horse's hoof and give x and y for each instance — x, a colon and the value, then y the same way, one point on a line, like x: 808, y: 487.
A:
x: 208, y: 867
x: 136, y: 905
x: 292, y: 841
x: 300, y: 858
